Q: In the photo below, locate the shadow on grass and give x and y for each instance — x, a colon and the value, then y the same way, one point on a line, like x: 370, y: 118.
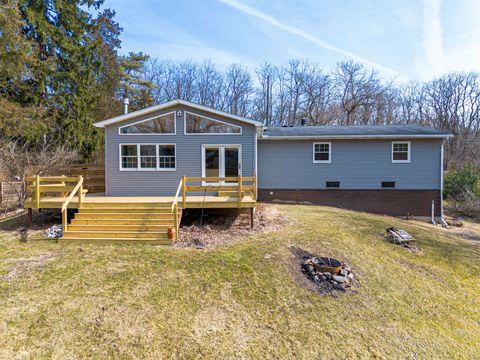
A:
x: 40, y: 220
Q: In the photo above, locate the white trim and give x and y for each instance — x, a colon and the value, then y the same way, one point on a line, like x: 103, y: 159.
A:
x: 106, y: 162
x: 221, y: 161
x: 329, y: 161
x: 149, y: 134
x: 409, y: 157
x: 320, y: 137
x: 256, y: 162
x: 168, y: 104
x: 138, y: 168
x: 209, y: 118
x: 441, y: 181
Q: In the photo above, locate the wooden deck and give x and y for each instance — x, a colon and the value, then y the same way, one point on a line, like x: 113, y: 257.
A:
x: 135, y: 219
x: 192, y: 201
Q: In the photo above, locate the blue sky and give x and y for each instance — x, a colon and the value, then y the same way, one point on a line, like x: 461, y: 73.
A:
x: 405, y: 39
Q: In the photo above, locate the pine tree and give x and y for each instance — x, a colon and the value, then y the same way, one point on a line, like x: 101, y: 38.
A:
x: 133, y: 83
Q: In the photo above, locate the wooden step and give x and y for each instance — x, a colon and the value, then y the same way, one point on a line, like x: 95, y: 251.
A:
x: 127, y: 205
x: 82, y: 215
x: 161, y: 210
x: 120, y: 227
x: 116, y: 241
x: 138, y: 221
x: 115, y: 234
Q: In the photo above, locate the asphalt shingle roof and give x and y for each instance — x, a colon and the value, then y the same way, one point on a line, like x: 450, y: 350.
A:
x: 354, y: 130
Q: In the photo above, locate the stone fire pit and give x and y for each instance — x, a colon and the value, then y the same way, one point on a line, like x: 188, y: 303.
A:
x: 326, y: 273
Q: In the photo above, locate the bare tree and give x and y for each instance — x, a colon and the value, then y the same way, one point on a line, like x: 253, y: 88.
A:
x: 266, y: 75
x: 19, y: 160
x: 209, y: 85
x: 238, y: 90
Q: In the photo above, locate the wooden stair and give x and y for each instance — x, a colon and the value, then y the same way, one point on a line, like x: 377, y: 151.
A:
x: 146, y: 223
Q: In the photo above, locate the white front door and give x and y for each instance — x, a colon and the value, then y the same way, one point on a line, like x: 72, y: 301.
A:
x: 221, y: 161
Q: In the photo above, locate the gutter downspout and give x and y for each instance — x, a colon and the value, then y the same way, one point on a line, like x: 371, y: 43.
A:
x: 442, y: 220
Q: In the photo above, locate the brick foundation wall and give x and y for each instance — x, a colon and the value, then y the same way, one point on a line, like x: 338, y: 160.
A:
x: 388, y: 202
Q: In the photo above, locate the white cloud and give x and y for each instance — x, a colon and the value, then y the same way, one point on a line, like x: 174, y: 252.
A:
x: 246, y: 9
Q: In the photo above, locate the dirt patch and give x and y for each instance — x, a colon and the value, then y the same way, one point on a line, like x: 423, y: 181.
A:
x: 225, y: 227
x: 467, y: 234
x: 23, y: 265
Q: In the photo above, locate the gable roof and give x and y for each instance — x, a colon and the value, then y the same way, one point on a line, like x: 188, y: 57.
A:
x: 352, y: 132
x: 168, y: 104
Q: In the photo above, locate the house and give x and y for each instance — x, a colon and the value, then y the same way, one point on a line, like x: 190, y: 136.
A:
x: 391, y: 169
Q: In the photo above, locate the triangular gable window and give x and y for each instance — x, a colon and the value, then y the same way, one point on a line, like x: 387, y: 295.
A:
x: 197, y: 124
x: 164, y: 124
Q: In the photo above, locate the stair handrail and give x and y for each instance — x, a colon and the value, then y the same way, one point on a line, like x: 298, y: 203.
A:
x: 175, y: 207
x: 78, y: 188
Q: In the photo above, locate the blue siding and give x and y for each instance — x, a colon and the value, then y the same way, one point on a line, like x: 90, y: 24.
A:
x: 357, y: 164
x: 188, y: 156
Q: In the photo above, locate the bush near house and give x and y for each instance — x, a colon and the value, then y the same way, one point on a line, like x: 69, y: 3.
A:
x: 462, y: 189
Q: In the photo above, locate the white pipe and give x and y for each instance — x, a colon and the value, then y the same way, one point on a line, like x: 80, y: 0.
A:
x: 433, y: 213
x: 125, y: 105
x: 441, y: 184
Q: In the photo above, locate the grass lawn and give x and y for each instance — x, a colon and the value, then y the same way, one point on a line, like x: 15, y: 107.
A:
x: 241, y: 300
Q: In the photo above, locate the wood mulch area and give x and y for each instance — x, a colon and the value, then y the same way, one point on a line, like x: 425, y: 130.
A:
x: 221, y: 227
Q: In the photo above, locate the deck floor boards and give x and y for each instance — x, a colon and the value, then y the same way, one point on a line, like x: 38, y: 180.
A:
x: 192, y: 201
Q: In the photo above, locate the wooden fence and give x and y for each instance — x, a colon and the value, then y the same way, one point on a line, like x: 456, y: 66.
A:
x: 93, y: 176
x: 11, y: 192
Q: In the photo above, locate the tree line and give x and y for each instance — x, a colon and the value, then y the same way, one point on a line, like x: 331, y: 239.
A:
x: 60, y: 71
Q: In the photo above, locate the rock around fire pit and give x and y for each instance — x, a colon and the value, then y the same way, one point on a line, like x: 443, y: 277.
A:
x: 328, y: 274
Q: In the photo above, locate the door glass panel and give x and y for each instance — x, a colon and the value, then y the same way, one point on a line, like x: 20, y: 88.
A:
x: 212, y: 162
x: 231, y: 162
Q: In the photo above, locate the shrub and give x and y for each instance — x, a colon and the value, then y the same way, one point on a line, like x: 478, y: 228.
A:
x: 468, y: 206
x: 463, y: 182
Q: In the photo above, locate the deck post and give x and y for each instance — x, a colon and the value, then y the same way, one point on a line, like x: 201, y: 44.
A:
x: 184, y: 191
x: 252, y: 212
x: 64, y: 220
x: 239, y: 191
x: 254, y: 195
x: 37, y: 191
x: 80, y: 191
x: 29, y: 217
x: 175, y: 213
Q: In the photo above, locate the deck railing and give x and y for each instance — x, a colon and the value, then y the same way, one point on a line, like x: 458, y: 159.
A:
x: 77, y: 189
x: 39, y: 186
x: 175, y: 208
x: 236, y: 186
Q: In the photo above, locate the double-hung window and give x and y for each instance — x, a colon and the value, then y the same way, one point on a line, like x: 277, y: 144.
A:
x: 322, y: 152
x: 147, y: 157
x: 401, y: 152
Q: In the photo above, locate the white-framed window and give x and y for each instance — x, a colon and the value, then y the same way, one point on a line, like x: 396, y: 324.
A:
x: 322, y: 152
x: 401, y: 151
x: 201, y: 125
x: 159, y: 125
x: 147, y: 157
x: 128, y: 157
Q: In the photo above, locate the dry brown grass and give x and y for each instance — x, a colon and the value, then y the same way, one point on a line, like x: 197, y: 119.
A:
x: 240, y: 300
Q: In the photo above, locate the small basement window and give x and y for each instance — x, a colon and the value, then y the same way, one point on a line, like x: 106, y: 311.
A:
x: 401, y: 152
x: 388, y: 184
x: 332, y: 184
x: 322, y: 152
